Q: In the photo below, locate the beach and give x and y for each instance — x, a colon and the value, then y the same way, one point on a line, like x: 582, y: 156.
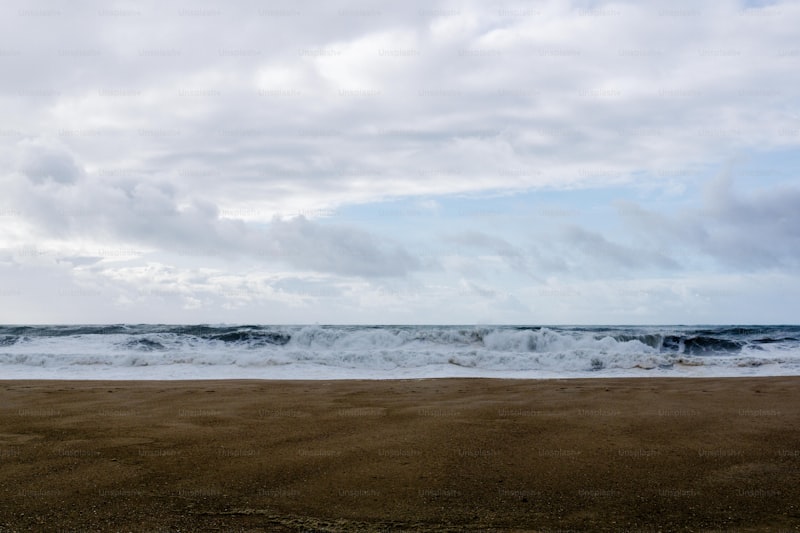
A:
x: 609, y: 454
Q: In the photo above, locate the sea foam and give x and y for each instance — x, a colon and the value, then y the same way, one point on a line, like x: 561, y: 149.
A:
x: 382, y: 352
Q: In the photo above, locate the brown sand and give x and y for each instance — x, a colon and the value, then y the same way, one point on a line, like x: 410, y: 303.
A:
x: 442, y: 455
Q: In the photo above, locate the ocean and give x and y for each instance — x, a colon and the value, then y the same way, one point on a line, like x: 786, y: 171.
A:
x: 170, y: 352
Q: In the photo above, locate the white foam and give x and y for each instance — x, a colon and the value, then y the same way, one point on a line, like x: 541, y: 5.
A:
x: 316, y: 352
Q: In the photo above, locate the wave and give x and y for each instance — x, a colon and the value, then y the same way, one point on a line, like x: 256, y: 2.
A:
x: 592, y: 350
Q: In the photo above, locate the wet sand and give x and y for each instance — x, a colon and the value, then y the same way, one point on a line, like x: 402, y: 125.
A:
x: 437, y: 455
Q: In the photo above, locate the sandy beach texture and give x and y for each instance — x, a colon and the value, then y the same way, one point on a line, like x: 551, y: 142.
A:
x: 436, y: 455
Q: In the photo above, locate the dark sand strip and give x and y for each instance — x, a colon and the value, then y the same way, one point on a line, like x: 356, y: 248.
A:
x: 441, y: 455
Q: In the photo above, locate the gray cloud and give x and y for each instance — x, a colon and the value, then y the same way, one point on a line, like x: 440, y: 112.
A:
x: 149, y: 214
x: 599, y: 254
x: 567, y: 250
x: 514, y: 257
x: 337, y: 249
x: 41, y: 162
x: 752, y: 231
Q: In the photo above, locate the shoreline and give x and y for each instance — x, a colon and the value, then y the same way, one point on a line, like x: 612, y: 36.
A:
x: 437, y: 454
x: 188, y: 381
x: 339, y: 374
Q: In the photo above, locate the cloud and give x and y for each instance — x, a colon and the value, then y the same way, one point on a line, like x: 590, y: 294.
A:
x: 337, y: 249
x: 752, y: 231
x: 600, y: 254
x: 759, y: 230
x: 511, y: 255
x: 568, y: 249
x: 41, y: 161
x: 309, y: 109
x: 149, y: 214
x: 195, y: 135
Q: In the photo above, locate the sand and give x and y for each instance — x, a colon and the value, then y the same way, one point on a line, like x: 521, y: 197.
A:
x: 436, y: 455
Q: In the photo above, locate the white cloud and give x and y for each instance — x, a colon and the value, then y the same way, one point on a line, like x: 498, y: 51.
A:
x: 197, y: 133
x: 575, y: 94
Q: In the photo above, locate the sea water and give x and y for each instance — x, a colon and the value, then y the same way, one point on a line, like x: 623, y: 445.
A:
x: 127, y: 351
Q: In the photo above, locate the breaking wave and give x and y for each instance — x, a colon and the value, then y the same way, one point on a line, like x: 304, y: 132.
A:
x: 384, y: 351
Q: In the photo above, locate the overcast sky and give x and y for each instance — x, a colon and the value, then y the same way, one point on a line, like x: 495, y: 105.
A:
x: 406, y: 162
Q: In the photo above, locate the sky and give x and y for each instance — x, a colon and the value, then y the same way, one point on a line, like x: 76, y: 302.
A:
x: 425, y: 162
